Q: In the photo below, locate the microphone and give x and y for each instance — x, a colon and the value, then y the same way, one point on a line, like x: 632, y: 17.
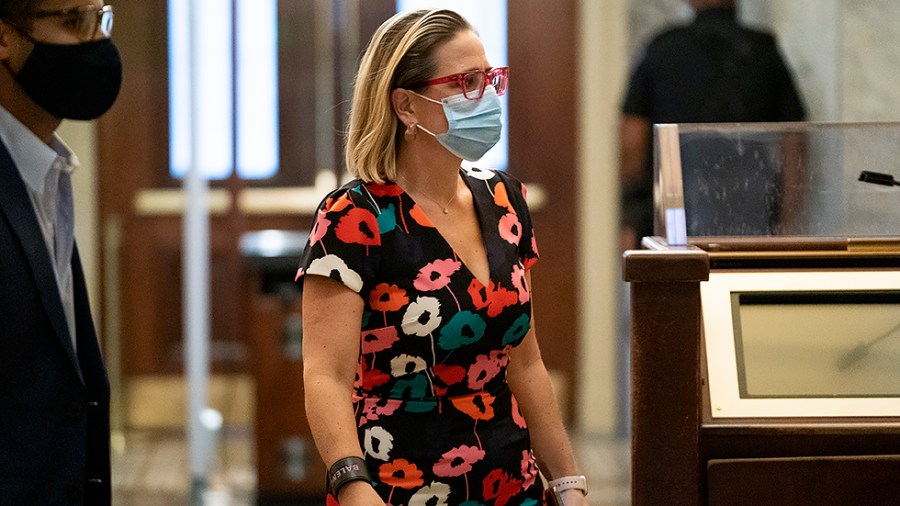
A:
x: 877, y: 178
x: 860, y: 351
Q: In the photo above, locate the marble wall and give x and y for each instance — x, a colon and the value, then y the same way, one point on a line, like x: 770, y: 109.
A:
x: 845, y: 54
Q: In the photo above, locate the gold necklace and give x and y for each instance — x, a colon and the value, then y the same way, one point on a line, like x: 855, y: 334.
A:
x: 446, y: 207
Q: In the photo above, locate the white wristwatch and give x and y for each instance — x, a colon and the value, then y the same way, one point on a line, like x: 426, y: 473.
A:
x: 567, y: 482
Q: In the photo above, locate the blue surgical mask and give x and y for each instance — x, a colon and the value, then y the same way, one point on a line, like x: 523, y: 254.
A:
x: 474, y: 125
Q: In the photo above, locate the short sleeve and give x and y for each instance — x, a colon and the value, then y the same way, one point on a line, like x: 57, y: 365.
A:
x: 528, y: 250
x: 344, y: 242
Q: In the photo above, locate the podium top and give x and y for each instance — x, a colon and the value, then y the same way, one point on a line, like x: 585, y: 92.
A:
x: 776, y: 184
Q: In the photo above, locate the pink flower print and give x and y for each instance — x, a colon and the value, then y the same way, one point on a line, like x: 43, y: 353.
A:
x: 378, y: 339
x: 529, y: 469
x: 510, y: 228
x: 518, y: 281
x: 483, y: 370
x: 319, y: 229
x: 458, y: 462
x: 436, y: 275
x: 377, y: 407
x: 501, y: 357
x: 517, y: 414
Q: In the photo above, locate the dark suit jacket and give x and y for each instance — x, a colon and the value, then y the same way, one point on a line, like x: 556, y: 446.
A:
x: 54, y: 404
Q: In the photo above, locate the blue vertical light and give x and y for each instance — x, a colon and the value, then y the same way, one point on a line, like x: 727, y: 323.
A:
x: 257, y: 88
x: 214, y: 79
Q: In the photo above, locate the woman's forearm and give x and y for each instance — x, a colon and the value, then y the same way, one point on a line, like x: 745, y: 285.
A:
x: 329, y: 412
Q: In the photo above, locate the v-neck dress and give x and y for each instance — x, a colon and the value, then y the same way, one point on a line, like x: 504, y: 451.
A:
x: 435, y: 416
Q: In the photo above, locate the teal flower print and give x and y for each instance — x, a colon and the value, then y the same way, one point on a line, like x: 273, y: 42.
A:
x: 518, y: 330
x: 387, y: 220
x: 464, y: 328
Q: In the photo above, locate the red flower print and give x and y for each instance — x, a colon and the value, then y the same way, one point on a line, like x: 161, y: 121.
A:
x: 436, y: 275
x: 494, y: 297
x: 501, y: 198
x: 518, y: 281
x: 373, y: 378
x: 337, y: 205
x: 498, y: 485
x: 358, y: 226
x: 449, y: 374
x: 385, y: 190
x: 510, y: 228
x: 385, y: 298
x: 378, y: 339
x: 390, y: 190
x: 458, y: 461
x: 401, y: 473
x: 479, y: 406
x: 419, y: 215
x: 483, y: 370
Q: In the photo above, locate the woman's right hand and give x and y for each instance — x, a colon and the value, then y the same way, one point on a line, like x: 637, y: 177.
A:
x: 359, y: 493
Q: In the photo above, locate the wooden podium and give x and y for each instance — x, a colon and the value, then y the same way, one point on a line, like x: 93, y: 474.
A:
x: 681, y: 455
x: 766, y: 318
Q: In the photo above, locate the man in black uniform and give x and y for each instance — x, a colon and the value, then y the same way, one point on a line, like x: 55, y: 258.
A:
x: 712, y: 70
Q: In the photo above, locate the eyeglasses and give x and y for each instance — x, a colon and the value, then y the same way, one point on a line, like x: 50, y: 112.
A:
x: 474, y: 82
x: 83, y: 21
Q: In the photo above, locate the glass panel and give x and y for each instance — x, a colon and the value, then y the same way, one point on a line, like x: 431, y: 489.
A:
x: 489, y: 20
x: 771, y: 179
x: 817, y: 344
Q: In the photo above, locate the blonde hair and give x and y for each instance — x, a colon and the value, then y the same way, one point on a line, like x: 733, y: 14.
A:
x: 400, y: 55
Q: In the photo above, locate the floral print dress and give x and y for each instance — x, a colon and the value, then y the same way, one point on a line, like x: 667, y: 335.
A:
x: 436, y: 419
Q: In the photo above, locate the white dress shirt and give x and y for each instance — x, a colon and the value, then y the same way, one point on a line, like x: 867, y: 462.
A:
x: 40, y: 166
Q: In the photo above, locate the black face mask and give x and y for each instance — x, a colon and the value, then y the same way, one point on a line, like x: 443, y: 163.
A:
x: 73, y: 81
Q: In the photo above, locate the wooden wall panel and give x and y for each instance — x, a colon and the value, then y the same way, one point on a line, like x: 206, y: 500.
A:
x: 542, y: 150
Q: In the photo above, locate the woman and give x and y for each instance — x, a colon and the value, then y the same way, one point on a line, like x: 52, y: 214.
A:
x: 421, y: 368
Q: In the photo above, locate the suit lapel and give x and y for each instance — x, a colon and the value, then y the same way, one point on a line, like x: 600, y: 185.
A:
x: 16, y: 205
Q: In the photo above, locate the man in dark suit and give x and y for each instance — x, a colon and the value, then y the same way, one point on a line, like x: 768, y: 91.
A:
x: 56, y: 61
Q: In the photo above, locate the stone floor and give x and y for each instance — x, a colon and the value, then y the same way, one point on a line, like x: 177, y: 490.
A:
x: 150, y: 463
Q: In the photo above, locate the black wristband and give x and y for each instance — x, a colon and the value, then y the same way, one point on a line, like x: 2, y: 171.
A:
x: 346, y: 470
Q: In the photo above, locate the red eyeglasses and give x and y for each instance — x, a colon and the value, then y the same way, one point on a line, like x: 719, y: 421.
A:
x: 474, y: 82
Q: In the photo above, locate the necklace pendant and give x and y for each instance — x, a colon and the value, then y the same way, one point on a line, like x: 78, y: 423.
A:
x: 446, y: 211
